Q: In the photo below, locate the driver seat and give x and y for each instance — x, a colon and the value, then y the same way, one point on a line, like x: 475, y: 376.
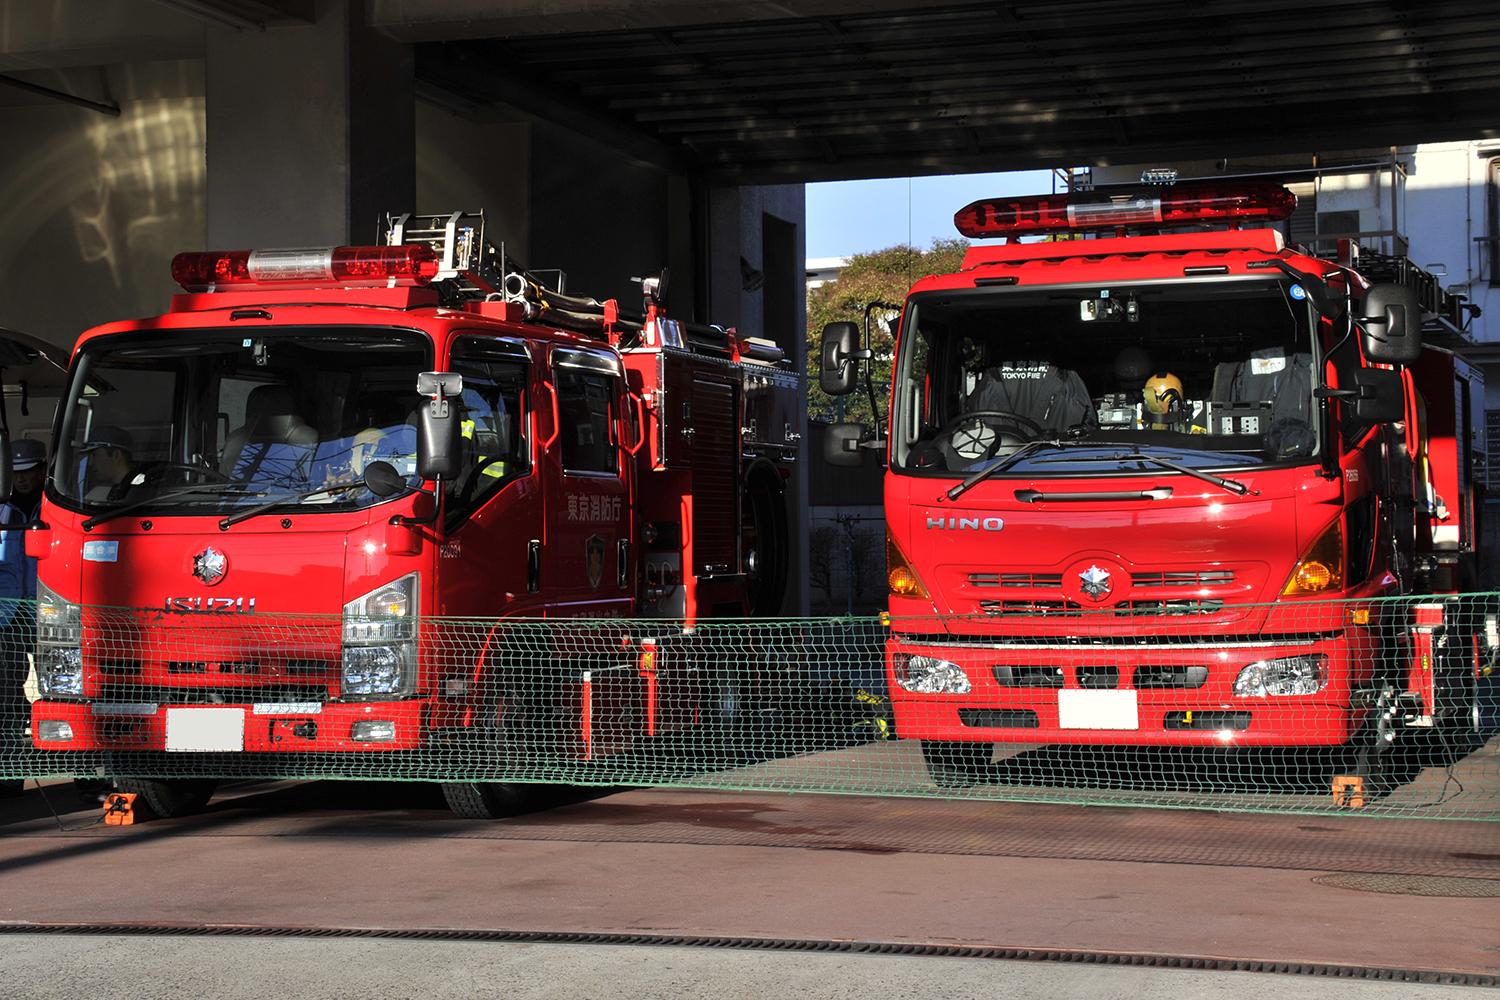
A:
x: 1053, y: 398
x: 274, y: 439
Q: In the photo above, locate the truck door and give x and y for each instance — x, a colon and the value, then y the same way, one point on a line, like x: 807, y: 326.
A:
x: 585, y: 558
x: 493, y: 508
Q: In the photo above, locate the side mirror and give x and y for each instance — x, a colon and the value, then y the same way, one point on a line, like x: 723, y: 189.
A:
x: 840, y: 358
x: 1378, y: 396
x: 841, y: 444
x: 438, y: 440
x: 1390, y: 324
x: 6, y: 473
x: 382, y: 479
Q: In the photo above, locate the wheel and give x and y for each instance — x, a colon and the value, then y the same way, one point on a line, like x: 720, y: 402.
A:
x: 1385, y: 767
x: 172, y: 797
x: 483, y: 800
x: 952, y: 764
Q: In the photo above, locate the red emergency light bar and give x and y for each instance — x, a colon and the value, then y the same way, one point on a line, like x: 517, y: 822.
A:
x: 413, y: 264
x: 1177, y: 205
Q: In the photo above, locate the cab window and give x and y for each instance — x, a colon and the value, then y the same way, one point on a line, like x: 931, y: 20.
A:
x: 587, y: 393
x: 492, y: 426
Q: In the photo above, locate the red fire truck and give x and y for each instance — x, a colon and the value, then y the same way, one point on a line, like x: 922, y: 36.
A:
x: 1149, y: 481
x: 325, y: 480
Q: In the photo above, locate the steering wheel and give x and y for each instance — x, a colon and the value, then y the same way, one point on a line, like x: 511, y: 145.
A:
x: 976, y: 435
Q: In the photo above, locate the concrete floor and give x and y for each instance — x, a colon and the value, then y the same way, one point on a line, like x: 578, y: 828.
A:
x: 256, y: 968
x: 1175, y: 882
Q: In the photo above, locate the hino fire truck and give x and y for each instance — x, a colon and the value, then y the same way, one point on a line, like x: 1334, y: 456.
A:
x: 324, y: 481
x: 1149, y: 481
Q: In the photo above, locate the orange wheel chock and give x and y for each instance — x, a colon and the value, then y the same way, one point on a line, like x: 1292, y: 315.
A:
x: 119, y: 809
x: 1349, y: 791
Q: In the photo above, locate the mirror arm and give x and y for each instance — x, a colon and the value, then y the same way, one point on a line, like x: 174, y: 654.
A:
x: 404, y: 521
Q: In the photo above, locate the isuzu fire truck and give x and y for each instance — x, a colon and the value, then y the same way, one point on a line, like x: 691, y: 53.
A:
x: 324, y: 480
x: 1149, y: 480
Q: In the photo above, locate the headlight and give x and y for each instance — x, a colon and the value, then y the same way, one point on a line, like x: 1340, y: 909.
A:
x: 59, y: 642
x: 929, y: 675
x: 380, y: 641
x: 1287, y: 675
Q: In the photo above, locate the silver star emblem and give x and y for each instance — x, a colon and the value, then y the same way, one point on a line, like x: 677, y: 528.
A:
x: 1095, y: 582
x: 210, y: 566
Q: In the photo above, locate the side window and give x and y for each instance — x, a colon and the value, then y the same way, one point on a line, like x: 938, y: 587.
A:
x: 492, y: 423
x: 586, y: 408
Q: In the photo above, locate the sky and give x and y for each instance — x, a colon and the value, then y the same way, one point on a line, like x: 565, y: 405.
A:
x: 848, y: 217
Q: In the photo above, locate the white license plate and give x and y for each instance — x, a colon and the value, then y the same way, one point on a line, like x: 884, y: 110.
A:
x: 200, y: 730
x: 1097, y: 710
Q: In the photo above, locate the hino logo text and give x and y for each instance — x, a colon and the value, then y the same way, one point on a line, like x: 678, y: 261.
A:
x: 965, y: 523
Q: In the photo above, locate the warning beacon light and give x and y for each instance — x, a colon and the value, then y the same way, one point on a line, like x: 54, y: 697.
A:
x: 344, y: 267
x: 1180, y: 204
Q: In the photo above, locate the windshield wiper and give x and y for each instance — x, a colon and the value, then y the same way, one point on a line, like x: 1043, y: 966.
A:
x: 1029, y: 448
x: 126, y: 508
x: 261, y: 508
x: 1234, y: 486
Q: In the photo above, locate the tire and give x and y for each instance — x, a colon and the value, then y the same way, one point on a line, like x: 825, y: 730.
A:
x: 1384, y: 766
x: 170, y: 798
x: 483, y: 800
x: 952, y: 764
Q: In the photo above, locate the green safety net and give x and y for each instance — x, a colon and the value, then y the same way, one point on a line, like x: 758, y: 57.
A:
x: 1385, y: 707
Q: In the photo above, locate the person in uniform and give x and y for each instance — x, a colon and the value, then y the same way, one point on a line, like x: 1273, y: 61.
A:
x: 17, y: 592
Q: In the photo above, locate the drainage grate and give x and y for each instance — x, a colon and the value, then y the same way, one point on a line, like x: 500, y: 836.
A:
x: 1144, y: 960
x: 1415, y: 885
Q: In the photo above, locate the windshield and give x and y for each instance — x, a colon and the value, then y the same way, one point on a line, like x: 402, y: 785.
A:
x: 1214, y: 374
x: 214, y: 421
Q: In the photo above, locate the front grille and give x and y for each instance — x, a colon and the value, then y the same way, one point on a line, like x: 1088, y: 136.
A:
x: 239, y: 667
x: 120, y: 668
x: 1184, y: 606
x: 250, y: 693
x: 1036, y: 581
x: 1183, y: 578
x: 186, y: 667
x: 1053, y: 608
x: 1238, y: 721
x: 1156, y: 677
x: 998, y: 718
x: 1027, y: 677
x: 1098, y: 677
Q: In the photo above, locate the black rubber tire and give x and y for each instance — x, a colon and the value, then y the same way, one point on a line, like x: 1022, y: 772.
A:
x: 168, y: 798
x: 953, y: 764
x: 483, y: 800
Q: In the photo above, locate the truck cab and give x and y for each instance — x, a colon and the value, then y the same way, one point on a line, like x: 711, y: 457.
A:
x: 1159, y: 488
x: 309, y: 508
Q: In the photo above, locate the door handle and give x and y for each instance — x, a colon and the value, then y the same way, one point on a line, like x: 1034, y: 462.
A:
x: 533, y: 566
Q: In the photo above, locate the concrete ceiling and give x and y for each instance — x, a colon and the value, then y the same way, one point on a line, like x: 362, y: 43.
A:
x: 774, y: 92
x: 768, y: 91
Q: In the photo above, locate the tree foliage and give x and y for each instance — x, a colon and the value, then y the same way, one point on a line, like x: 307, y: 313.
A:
x: 881, y: 276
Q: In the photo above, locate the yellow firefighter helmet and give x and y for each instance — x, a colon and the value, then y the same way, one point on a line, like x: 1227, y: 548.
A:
x: 1162, y: 392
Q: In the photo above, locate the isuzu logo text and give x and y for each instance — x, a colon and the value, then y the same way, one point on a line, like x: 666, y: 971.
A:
x: 965, y: 523
x: 210, y: 605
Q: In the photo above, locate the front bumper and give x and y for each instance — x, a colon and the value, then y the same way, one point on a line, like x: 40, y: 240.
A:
x: 1144, y: 694
x: 266, y: 728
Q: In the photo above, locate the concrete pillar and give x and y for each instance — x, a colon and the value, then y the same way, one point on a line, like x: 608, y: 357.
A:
x: 310, y: 131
